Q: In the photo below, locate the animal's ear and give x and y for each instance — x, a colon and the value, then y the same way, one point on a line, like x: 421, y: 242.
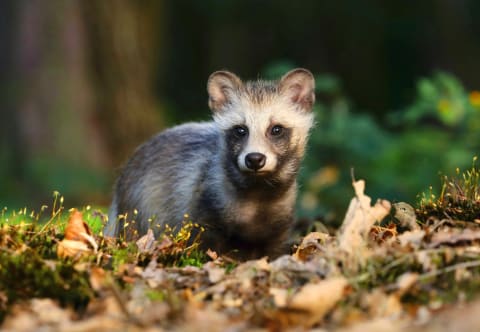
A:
x: 299, y: 86
x: 221, y: 87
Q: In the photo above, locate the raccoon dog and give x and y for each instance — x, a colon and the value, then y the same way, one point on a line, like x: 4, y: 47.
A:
x: 235, y: 176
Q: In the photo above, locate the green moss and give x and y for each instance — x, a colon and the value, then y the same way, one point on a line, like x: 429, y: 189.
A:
x: 26, y: 273
x: 156, y: 295
x: 459, y: 197
x: 124, y: 253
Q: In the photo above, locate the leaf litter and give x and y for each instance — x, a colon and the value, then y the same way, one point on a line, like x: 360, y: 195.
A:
x: 389, y: 267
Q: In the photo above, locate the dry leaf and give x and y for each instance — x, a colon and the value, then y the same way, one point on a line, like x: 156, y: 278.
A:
x: 153, y: 275
x: 413, y: 238
x: 315, y: 301
x: 380, y: 304
x: 212, y: 254
x: 37, y: 312
x: 425, y: 260
x: 405, y: 282
x: 359, y: 219
x: 147, y: 242
x: 208, y: 319
x: 454, y: 236
x: 215, y: 273
x: 310, y: 245
x: 280, y: 296
x: 98, y: 278
x: 377, y: 325
x: 77, y: 238
x: 71, y: 248
x: 76, y: 226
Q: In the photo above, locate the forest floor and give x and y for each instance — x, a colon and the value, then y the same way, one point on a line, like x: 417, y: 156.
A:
x: 389, y: 267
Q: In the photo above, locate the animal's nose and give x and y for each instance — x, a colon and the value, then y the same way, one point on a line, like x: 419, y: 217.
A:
x: 255, y: 160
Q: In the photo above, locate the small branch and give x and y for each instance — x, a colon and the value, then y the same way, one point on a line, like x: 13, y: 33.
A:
x: 451, y: 268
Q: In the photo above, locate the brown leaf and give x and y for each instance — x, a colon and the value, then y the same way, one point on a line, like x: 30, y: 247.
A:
x: 405, y: 282
x: 381, y: 234
x: 310, y: 245
x: 37, y: 312
x: 74, y: 249
x: 98, y: 278
x: 280, y: 296
x: 215, y: 273
x: 413, y: 238
x: 454, y: 236
x: 359, y: 219
x: 76, y: 226
x: 377, y: 325
x: 314, y: 301
x: 147, y: 242
x: 208, y: 319
x: 212, y: 254
x: 378, y: 304
x: 78, y: 238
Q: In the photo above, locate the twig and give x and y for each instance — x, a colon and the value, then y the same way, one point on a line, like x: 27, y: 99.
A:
x: 54, y: 215
x: 464, y: 265
x: 120, y: 299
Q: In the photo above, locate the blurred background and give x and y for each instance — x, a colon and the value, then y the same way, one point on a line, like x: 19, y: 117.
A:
x: 84, y: 82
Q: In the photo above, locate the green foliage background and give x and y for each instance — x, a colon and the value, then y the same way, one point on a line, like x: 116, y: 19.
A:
x: 437, y: 133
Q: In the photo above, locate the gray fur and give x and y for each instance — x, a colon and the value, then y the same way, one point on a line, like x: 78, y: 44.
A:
x: 193, y: 169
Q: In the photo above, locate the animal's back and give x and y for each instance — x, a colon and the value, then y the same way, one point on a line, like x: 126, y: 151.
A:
x: 159, y: 182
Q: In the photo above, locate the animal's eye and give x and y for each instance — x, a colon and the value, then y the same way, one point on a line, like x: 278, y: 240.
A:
x: 240, y: 131
x: 276, y: 130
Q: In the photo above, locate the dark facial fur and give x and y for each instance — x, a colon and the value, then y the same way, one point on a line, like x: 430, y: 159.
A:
x: 272, y: 182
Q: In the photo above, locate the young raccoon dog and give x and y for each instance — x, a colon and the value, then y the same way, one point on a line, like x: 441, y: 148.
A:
x: 235, y: 176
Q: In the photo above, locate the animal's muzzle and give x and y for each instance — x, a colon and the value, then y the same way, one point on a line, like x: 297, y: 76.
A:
x: 255, y: 160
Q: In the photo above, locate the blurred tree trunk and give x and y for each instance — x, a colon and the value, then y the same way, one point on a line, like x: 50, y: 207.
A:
x: 11, y: 159
x: 55, y: 127
x: 54, y: 95
x: 66, y: 123
x: 123, y: 41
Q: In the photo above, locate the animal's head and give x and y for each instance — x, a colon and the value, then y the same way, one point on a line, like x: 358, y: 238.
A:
x: 266, y: 123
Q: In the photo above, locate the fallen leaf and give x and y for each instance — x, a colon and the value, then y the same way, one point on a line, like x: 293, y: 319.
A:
x: 380, y: 304
x: 147, y: 242
x: 215, y: 273
x: 37, y: 312
x: 71, y: 248
x: 212, y: 254
x: 245, y: 273
x: 165, y: 244
x: 425, y: 260
x: 76, y: 226
x: 405, y: 282
x: 280, y: 296
x: 377, y: 325
x: 154, y: 276
x: 98, y: 278
x: 315, y: 301
x: 311, y: 244
x: 413, y: 238
x: 207, y: 319
x: 286, y: 269
x: 77, y: 239
x: 359, y: 219
x: 452, y: 236
x: 381, y: 234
